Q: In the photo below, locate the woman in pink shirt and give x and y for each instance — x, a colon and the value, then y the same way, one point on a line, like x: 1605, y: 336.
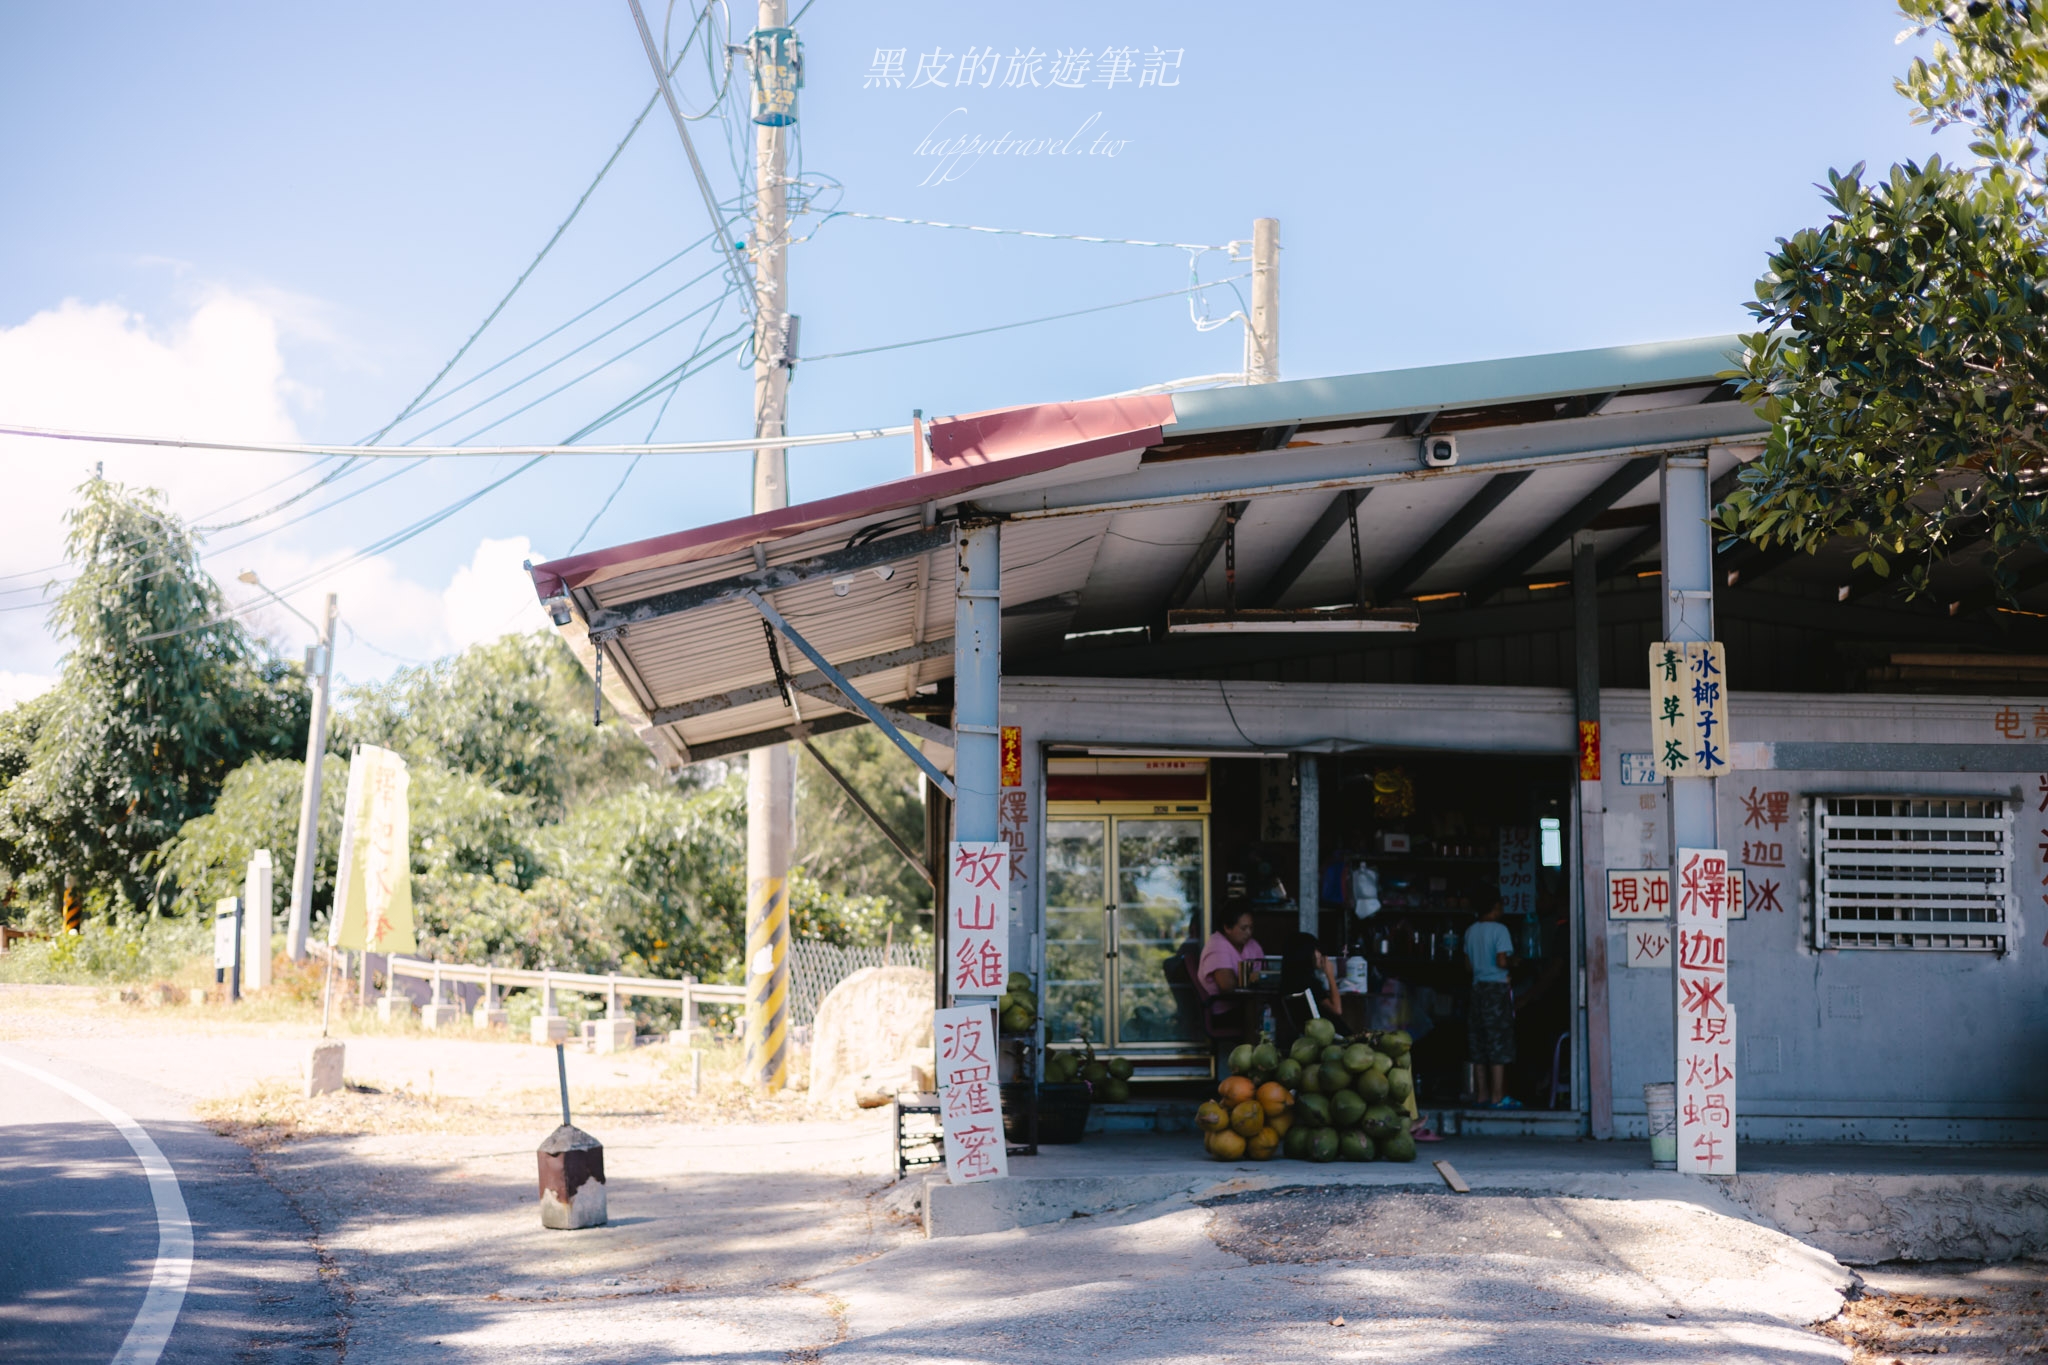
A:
x: 1231, y: 944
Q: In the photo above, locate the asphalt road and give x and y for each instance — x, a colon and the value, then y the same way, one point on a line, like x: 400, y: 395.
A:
x: 78, y: 1241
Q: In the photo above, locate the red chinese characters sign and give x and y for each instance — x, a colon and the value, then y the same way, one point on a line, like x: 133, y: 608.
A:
x: 1013, y: 756
x: 978, y: 918
x: 1706, y: 1016
x: 970, y: 1102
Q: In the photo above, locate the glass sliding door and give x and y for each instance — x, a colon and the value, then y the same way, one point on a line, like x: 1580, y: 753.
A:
x: 1076, y: 972
x: 1124, y: 897
x: 1159, y: 873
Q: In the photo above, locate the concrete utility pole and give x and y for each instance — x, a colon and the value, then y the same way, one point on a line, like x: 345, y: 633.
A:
x: 301, y: 917
x: 1262, y: 347
x: 771, y: 772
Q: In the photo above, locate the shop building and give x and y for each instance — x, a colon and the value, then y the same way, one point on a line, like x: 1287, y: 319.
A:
x: 1324, y: 645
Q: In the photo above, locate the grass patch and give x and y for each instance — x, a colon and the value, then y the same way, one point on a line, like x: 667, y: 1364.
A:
x: 175, y: 951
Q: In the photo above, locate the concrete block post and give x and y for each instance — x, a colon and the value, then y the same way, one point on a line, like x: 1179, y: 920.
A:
x: 977, y: 700
x: 256, y: 922
x: 438, y: 1014
x: 488, y: 1013
x: 323, y: 1068
x: 549, y: 1027
x: 614, y: 1031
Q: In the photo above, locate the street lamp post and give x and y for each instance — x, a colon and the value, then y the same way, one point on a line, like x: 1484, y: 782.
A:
x: 300, y: 917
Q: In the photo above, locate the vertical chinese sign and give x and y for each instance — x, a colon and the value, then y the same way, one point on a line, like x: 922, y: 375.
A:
x: 1013, y: 810
x: 1589, y: 751
x: 1517, y: 870
x: 1706, y: 1018
x: 1689, y: 708
x: 978, y: 927
x: 970, y: 1109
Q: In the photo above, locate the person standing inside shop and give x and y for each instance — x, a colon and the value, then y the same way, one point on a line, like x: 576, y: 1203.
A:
x: 1490, y: 1024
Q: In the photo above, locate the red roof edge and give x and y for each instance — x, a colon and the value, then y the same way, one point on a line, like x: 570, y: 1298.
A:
x: 977, y: 450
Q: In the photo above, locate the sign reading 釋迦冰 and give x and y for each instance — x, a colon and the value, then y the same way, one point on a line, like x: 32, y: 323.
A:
x: 978, y: 918
x: 970, y: 1103
x: 1517, y: 870
x: 1706, y: 1017
x: 1689, y: 734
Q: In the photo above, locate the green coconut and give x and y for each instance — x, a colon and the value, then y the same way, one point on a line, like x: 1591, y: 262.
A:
x: 1400, y: 1084
x: 1398, y: 1147
x: 1306, y: 1051
x: 1120, y: 1068
x: 1357, y: 1057
x: 1374, y: 1087
x: 1334, y: 1077
x: 1265, y: 1057
x: 1347, y: 1108
x: 1322, y: 1145
x: 1295, y: 1144
x: 1312, y: 1111
x: 1240, y: 1059
x: 1355, y: 1147
x: 1322, y: 1030
x: 1288, y: 1073
x: 1382, y: 1121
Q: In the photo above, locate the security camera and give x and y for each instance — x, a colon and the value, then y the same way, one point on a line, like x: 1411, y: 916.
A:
x: 1439, y: 452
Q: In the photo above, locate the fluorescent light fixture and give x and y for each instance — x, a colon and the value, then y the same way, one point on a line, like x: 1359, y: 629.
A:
x: 1550, y: 841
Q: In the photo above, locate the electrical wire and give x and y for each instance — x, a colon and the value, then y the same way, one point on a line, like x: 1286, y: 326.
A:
x: 1006, y: 326
x: 1023, y: 232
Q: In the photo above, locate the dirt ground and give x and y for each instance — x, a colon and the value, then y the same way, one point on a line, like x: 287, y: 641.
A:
x: 1966, y: 1312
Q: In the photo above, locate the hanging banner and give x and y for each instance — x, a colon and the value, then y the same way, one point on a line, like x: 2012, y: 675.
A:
x: 1689, y: 734
x: 373, y: 881
x: 1706, y: 1018
x: 1589, y: 751
x: 978, y: 918
x: 970, y: 1103
x: 1517, y: 870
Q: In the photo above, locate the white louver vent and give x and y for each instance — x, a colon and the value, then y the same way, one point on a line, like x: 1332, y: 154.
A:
x: 1912, y: 872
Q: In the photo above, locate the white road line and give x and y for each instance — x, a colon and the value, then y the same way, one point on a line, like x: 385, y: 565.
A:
x: 160, y: 1306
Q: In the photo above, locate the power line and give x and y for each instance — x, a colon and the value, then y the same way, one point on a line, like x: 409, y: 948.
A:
x: 1022, y: 232
x: 1005, y: 326
x: 455, y: 452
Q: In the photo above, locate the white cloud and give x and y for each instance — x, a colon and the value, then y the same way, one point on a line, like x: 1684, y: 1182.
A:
x: 493, y: 595
x: 16, y: 688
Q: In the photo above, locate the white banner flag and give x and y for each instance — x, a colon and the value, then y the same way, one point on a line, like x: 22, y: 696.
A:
x: 373, y: 882
x: 970, y: 1099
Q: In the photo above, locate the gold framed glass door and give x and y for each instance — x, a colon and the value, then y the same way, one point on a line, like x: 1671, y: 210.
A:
x: 1125, y: 895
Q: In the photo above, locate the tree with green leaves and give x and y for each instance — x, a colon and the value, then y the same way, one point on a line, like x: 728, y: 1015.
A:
x: 160, y: 697
x: 1904, y: 361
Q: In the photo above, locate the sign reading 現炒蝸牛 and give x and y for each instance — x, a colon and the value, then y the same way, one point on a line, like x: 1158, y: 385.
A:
x: 1706, y: 1016
x: 1689, y: 734
x: 970, y: 1100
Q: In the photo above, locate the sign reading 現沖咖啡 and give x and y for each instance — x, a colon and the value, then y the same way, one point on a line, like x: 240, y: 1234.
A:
x: 970, y: 1104
x: 1689, y: 708
x: 1706, y: 1016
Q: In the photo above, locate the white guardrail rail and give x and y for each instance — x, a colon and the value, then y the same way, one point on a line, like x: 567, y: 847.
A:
x: 611, y: 986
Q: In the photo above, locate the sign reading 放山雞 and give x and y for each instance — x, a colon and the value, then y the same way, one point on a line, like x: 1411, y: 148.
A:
x: 1689, y: 708
x: 978, y: 919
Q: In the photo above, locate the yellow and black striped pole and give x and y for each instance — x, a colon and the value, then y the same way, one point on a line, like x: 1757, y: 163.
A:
x: 770, y: 791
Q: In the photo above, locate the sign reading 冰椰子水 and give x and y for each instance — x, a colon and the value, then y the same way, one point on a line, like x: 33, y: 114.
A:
x: 1689, y: 708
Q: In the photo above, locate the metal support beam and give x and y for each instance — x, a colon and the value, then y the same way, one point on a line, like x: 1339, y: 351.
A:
x: 1309, y: 855
x: 1688, y: 589
x: 774, y: 578
x: 1463, y: 522
x: 977, y: 682
x: 1205, y: 555
x: 803, y: 682
x: 1307, y: 548
x: 780, y: 734
x: 1610, y: 491
x: 896, y: 841
x: 1596, y: 1098
x: 839, y: 680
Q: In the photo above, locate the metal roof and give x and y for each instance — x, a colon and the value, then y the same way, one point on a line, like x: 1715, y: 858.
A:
x: 1114, y: 512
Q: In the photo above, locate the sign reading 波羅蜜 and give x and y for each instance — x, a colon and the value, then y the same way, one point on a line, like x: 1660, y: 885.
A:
x: 970, y: 1103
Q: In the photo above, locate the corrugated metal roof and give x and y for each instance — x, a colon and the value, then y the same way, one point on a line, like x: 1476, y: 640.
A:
x: 1105, y: 505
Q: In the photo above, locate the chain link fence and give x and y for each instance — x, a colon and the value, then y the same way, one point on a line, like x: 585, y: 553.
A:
x: 815, y: 968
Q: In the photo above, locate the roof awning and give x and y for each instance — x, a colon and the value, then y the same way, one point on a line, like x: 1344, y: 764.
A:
x: 1117, y: 511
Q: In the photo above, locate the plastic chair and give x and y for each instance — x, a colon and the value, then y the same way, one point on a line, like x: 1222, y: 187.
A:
x: 1558, y: 1080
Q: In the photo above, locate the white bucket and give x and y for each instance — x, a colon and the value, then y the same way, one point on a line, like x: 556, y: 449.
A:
x: 1661, y: 1100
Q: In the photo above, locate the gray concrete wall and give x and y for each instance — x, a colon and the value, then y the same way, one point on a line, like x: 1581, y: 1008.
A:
x: 1854, y: 1044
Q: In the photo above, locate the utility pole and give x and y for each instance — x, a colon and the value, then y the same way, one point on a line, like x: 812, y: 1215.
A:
x: 301, y: 917
x: 771, y: 772
x: 1262, y: 345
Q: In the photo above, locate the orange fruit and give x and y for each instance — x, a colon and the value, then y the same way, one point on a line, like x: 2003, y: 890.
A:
x: 1235, y: 1090
x: 1247, y: 1119
x: 1280, y: 1123
x: 1261, y: 1147
x: 1226, y: 1145
x: 1211, y: 1116
x: 1274, y: 1098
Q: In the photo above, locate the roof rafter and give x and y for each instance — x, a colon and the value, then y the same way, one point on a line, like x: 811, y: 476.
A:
x: 1609, y: 491
x: 1477, y: 508
x: 1307, y: 548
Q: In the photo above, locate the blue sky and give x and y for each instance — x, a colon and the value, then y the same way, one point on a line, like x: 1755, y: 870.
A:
x: 280, y: 221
